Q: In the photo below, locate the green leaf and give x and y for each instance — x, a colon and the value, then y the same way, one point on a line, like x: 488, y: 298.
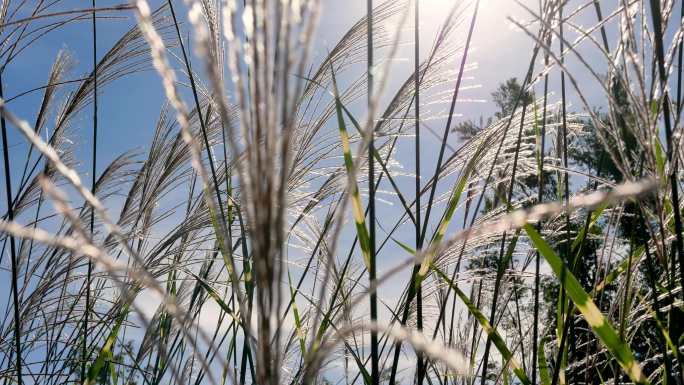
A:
x: 664, y: 331
x: 325, y: 323
x: 106, y: 349
x: 612, y: 276
x: 543, y: 366
x: 660, y: 158
x: 404, y: 246
x: 599, y: 324
x: 487, y: 327
x: 538, y: 140
x: 505, y: 372
x: 378, y: 158
x: 112, y: 370
x: 452, y: 205
x: 596, y: 214
x: 357, y: 206
x: 298, y: 323
x: 216, y: 297
x: 366, y: 376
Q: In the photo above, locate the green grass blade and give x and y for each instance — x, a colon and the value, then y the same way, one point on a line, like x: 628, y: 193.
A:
x: 106, y: 350
x: 488, y: 328
x: 357, y: 206
x: 297, y: 319
x: 452, y: 205
x: 404, y: 246
x: 112, y: 369
x: 383, y: 164
x: 544, y: 376
x: 323, y: 327
x: 216, y: 297
x: 596, y: 214
x: 599, y: 324
x: 612, y: 276
x: 659, y: 157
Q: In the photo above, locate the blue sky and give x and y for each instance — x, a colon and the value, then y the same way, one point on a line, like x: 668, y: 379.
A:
x: 129, y: 107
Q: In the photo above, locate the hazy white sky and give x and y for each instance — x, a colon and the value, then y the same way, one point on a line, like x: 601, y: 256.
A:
x: 498, y: 49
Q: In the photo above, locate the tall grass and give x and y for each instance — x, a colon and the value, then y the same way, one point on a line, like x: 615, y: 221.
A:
x: 93, y: 172
x: 16, y: 311
x: 280, y: 227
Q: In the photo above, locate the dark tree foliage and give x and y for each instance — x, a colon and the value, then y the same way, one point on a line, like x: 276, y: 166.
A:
x: 506, y: 96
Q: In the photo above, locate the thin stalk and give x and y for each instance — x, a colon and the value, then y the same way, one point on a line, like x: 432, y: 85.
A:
x: 13, y: 250
x: 671, y: 153
x: 564, y: 128
x: 222, y: 216
x: 527, y: 80
x: 501, y: 267
x: 375, y: 371
x: 416, y: 74
x: 435, y: 178
x: 566, y: 194
x: 606, y: 47
x: 599, y: 16
x: 651, y: 280
x: 86, y: 318
x: 329, y: 217
x: 447, y: 129
x: 561, y: 346
x: 160, y: 361
x: 679, y: 70
x: 195, y: 96
x: 328, y: 315
x: 540, y: 199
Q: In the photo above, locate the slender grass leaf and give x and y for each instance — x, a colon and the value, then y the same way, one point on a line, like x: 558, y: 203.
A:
x: 487, y: 327
x: 452, y: 205
x: 106, y: 350
x: 599, y: 324
x: 615, y: 273
x: 596, y: 214
x: 357, y: 207
x: 216, y: 297
x: 295, y: 311
x: 544, y: 376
